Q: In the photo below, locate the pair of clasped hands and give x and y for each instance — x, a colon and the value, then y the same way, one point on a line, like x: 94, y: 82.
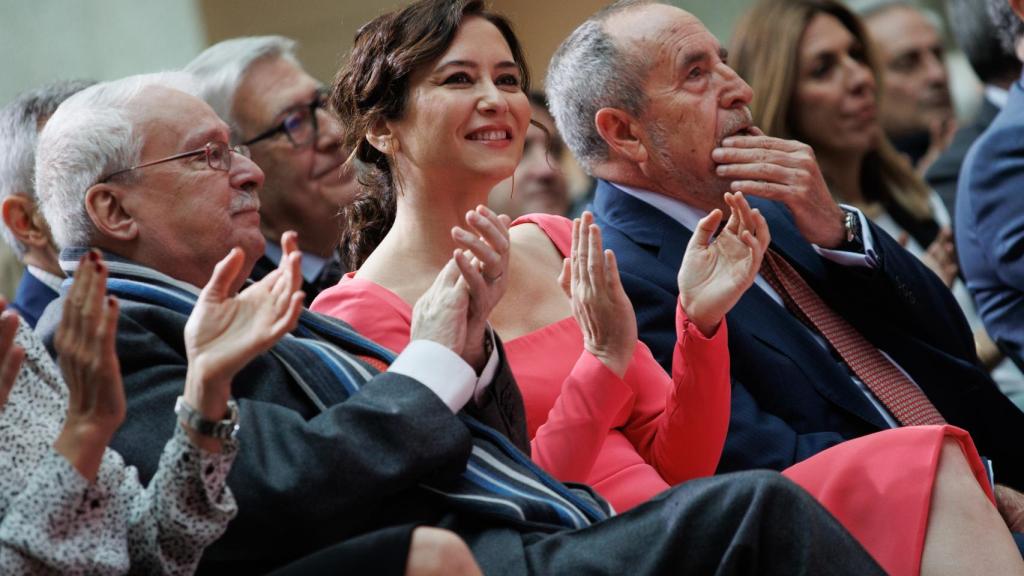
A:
x: 717, y: 268
x: 225, y: 331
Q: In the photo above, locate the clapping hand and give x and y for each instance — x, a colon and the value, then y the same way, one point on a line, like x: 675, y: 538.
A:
x: 86, y: 352
x: 590, y: 277
x: 226, y: 330
x: 11, y: 355
x: 714, y: 274
x: 440, y: 313
x: 483, y: 264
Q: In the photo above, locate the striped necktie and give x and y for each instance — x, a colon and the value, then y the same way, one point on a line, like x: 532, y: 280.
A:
x: 907, y: 403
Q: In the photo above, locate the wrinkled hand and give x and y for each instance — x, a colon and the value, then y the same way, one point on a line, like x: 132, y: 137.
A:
x: 940, y: 257
x: 440, y: 313
x: 715, y: 274
x: 86, y: 352
x: 226, y: 331
x: 1011, y: 507
x: 484, y: 267
x: 785, y: 171
x: 11, y: 355
x: 590, y: 277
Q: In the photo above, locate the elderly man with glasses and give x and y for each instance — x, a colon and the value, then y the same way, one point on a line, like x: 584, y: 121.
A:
x: 257, y: 85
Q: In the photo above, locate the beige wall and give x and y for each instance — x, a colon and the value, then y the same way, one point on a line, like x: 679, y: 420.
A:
x: 325, y: 28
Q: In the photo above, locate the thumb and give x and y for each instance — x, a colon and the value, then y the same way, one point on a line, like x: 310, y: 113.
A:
x: 565, y: 277
x: 706, y: 228
x: 224, y: 275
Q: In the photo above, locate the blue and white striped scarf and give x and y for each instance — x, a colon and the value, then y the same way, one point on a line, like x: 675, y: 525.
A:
x: 499, y: 480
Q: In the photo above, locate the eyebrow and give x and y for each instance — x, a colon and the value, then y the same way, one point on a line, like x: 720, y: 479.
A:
x: 318, y: 89
x: 201, y: 139
x: 470, y: 64
x: 695, y: 57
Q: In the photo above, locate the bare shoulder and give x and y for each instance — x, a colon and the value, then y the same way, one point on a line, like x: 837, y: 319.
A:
x: 532, y: 248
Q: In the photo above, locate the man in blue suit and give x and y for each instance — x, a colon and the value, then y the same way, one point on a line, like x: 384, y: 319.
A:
x: 990, y: 207
x: 651, y: 109
x: 23, y: 226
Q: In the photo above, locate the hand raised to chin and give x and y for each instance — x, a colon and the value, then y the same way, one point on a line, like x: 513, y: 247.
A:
x: 785, y: 171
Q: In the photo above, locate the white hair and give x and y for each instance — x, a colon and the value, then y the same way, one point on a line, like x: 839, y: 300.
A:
x: 20, y: 121
x: 221, y: 68
x: 589, y: 72
x: 91, y: 135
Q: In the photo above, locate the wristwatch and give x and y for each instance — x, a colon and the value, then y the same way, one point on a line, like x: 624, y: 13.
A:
x: 854, y: 239
x: 225, y: 429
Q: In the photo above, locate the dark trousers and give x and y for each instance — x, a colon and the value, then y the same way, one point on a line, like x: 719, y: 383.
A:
x: 381, y: 553
x: 743, y: 523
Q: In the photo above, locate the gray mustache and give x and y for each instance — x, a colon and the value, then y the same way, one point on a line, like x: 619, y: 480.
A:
x: 245, y: 201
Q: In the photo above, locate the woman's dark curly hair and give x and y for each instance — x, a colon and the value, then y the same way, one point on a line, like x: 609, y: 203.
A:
x: 373, y: 85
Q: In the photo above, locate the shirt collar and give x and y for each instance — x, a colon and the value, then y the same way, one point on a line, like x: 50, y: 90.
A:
x: 674, y: 208
x: 997, y: 95
x: 312, y: 265
x: 51, y: 280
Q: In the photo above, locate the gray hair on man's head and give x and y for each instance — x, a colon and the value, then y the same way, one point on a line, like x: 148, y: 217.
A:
x: 589, y: 72
x: 92, y: 134
x: 20, y: 121
x: 868, y: 8
x: 221, y: 67
x: 1007, y: 23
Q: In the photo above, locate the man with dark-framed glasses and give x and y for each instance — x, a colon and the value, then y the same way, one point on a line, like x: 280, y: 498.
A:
x: 273, y: 106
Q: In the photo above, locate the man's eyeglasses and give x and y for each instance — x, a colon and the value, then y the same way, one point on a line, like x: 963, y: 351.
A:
x: 218, y: 157
x: 299, y: 125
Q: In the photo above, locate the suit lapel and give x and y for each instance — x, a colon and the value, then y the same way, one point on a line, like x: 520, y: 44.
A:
x: 765, y: 320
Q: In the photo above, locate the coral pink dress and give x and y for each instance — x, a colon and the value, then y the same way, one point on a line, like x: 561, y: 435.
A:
x: 631, y: 438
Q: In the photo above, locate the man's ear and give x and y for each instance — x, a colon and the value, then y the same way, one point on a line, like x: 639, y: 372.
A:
x: 382, y: 138
x: 1018, y: 8
x: 622, y: 134
x: 105, y: 206
x: 22, y: 217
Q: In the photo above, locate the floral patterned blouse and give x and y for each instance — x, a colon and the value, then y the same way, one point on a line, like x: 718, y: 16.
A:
x: 52, y: 520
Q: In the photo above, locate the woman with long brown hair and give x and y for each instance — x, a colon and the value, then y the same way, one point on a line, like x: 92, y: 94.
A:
x: 433, y: 95
x: 815, y: 79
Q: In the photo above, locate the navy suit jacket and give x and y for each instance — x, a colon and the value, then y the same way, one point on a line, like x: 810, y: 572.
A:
x: 791, y: 398
x: 990, y: 225
x: 32, y: 297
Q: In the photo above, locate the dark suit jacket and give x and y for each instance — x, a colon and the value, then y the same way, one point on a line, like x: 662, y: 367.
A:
x: 265, y: 266
x: 990, y: 225
x: 791, y: 398
x: 32, y: 297
x: 306, y: 478
x: 943, y: 174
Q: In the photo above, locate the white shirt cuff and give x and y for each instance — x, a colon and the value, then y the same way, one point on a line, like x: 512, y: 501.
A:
x: 869, y: 259
x: 444, y: 372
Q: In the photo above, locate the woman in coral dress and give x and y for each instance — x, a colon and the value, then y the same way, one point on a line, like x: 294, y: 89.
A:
x: 431, y: 137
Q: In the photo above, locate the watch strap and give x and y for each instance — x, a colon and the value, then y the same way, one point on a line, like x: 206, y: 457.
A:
x: 225, y: 429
